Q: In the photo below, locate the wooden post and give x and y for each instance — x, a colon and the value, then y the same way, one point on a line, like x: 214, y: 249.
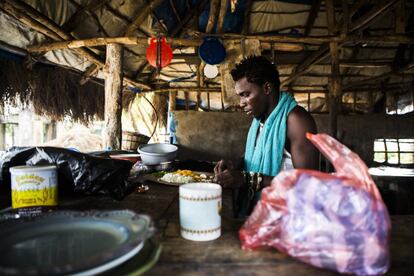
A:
x: 113, y: 97
x: 334, y: 85
x: 50, y: 130
x: 2, y: 129
x: 334, y: 91
x: 2, y: 136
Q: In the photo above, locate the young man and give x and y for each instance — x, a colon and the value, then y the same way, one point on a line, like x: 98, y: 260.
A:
x: 276, y: 139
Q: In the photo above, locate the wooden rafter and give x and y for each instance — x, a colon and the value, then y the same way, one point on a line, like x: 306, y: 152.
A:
x: 174, y: 9
x: 374, y: 13
x: 246, y: 20
x: 313, y: 13
x: 142, y: 14
x: 376, y: 79
x: 81, y: 14
x: 92, y: 42
x: 356, y: 6
x: 330, y: 17
x: 190, y: 15
x: 212, y: 15
x: 222, y: 15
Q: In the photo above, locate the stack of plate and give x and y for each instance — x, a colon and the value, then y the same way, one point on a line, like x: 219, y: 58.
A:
x: 78, y: 243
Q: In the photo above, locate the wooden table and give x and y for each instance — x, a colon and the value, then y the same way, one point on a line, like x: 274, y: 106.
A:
x: 224, y: 256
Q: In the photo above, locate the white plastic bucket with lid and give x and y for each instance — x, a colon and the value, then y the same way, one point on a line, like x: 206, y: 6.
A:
x: 34, y: 186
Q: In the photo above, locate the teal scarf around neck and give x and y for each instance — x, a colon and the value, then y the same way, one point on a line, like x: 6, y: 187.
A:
x: 265, y: 155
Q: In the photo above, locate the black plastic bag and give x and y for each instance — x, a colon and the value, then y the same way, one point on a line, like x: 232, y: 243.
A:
x: 78, y: 173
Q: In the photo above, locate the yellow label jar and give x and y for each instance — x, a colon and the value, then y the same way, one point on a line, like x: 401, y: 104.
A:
x: 34, y: 186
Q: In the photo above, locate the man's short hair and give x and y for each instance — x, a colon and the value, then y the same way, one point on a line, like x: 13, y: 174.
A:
x: 256, y: 69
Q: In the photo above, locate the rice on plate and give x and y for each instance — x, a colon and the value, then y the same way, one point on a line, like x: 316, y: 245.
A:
x: 182, y: 176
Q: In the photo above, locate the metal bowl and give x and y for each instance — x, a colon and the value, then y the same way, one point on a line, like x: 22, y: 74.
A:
x: 153, y: 154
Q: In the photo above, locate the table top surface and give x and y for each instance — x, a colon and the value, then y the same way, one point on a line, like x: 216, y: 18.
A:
x: 224, y: 255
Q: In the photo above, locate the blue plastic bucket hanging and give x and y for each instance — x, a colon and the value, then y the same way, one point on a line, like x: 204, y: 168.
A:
x: 212, y: 51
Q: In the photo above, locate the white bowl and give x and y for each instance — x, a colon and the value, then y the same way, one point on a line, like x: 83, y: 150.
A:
x: 153, y: 154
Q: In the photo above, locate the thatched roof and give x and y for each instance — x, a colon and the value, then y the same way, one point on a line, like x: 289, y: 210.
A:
x: 53, y: 91
x: 374, y: 41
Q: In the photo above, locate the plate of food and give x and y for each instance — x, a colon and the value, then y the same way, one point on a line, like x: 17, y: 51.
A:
x: 179, y: 177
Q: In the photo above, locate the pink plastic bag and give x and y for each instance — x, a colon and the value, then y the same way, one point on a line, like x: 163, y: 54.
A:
x: 334, y: 221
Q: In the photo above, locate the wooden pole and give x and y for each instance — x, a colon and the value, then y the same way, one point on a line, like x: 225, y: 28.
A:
x: 2, y: 129
x: 313, y: 14
x: 200, y: 82
x: 222, y: 15
x: 246, y: 21
x: 335, y: 79
x: 2, y: 136
x: 172, y: 101
x: 212, y: 15
x: 113, y: 97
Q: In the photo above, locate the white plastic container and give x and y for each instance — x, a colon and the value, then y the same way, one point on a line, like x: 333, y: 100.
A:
x: 34, y: 186
x: 157, y: 153
x: 200, y: 209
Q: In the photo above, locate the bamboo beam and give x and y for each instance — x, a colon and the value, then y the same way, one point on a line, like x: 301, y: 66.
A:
x: 139, y: 18
x: 222, y: 15
x: 34, y: 19
x: 212, y: 15
x: 113, y: 97
x: 316, y: 4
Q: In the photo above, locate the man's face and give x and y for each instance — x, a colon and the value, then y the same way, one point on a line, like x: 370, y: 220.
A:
x: 252, y: 97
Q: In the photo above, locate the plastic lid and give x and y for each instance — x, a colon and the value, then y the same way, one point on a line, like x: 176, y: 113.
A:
x: 211, y: 71
x: 212, y: 51
x: 32, y: 168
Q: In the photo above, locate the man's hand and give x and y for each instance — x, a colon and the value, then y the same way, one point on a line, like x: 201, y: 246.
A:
x: 227, y: 176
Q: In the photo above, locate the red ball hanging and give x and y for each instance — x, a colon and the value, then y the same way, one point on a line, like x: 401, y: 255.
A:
x: 159, y: 53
